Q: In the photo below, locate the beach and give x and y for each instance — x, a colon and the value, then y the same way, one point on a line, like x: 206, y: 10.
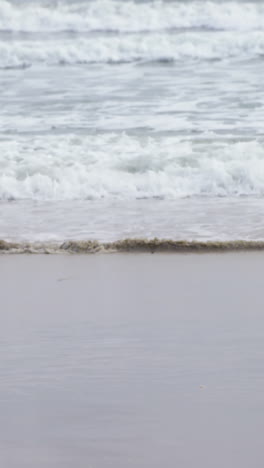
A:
x: 131, y: 233
x: 132, y: 360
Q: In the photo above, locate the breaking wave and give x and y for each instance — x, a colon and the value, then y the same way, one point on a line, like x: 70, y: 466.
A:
x: 116, y: 49
x: 111, y: 31
x: 113, y: 15
x: 124, y: 167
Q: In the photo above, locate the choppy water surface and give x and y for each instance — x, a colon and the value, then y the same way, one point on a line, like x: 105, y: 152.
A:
x: 131, y: 117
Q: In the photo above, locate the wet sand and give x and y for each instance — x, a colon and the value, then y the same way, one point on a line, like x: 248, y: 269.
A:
x: 132, y: 360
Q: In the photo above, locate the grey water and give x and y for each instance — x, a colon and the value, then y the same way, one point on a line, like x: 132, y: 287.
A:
x: 110, y: 361
x: 126, y: 105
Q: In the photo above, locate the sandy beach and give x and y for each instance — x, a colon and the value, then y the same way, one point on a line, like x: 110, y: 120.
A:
x: 131, y: 233
x: 132, y: 360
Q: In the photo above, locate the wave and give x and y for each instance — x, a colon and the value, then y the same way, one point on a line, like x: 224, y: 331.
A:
x: 122, y: 16
x: 154, y: 47
x: 159, y: 31
x: 129, y: 245
x: 126, y: 167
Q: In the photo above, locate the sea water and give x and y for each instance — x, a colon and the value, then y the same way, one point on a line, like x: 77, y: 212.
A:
x: 131, y: 119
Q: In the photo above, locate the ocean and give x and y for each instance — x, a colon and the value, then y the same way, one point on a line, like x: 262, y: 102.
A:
x: 124, y: 118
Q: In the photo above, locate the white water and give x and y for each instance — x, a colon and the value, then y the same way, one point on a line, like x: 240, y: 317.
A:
x: 126, y: 167
x: 118, y: 102
x: 79, y: 32
x: 129, y: 16
x: 164, y: 47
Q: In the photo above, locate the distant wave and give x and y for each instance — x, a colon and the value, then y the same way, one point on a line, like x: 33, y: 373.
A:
x: 115, y: 31
x: 125, y: 167
x: 129, y: 245
x: 114, y: 15
x: 155, y: 47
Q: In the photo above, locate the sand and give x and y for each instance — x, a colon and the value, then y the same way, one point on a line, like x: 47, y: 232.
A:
x: 132, y: 360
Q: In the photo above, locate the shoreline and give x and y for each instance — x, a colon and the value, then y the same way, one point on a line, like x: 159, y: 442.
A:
x: 130, y: 245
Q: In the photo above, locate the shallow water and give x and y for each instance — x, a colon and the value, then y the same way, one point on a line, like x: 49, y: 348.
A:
x: 132, y: 360
x: 111, y: 103
x: 105, y: 221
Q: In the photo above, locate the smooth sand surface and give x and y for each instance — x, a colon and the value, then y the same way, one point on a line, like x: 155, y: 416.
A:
x: 132, y: 360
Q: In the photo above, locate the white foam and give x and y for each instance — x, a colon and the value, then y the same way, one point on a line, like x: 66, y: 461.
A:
x: 124, y: 167
x: 152, y: 47
x: 129, y: 15
x: 161, y: 30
